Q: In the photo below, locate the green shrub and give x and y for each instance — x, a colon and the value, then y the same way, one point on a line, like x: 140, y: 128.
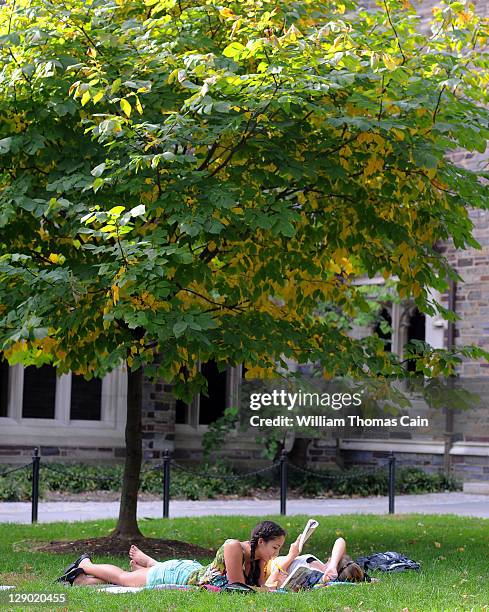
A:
x: 213, y: 480
x: 16, y: 487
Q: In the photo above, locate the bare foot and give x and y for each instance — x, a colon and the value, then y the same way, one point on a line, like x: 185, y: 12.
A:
x: 140, y: 558
x: 135, y: 566
x: 330, y: 573
x: 84, y: 563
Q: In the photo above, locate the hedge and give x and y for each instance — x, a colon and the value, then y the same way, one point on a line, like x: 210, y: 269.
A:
x: 77, y: 478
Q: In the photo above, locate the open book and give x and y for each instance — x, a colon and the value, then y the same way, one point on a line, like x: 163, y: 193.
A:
x: 276, y: 563
x: 306, y: 534
x: 302, y: 577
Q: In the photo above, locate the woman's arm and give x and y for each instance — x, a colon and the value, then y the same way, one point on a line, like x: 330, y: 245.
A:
x: 293, y: 553
x: 278, y: 576
x: 233, y: 561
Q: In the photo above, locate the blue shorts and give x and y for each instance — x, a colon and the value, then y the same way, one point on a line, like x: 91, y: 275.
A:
x: 174, y: 571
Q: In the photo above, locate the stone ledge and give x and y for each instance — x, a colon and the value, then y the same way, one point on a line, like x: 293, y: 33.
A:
x: 398, y: 446
x: 472, y: 449
x: 479, y: 488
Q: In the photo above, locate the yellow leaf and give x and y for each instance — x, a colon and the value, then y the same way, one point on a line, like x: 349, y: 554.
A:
x: 53, y: 258
x: 437, y: 545
x: 85, y: 98
x: 389, y: 62
x: 116, y: 211
x: 398, y: 133
x: 139, y: 108
x: 115, y: 294
x: 373, y: 164
x: 97, y: 97
x: 126, y: 107
x: 227, y: 13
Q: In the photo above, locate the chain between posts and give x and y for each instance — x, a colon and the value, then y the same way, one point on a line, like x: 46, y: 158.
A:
x: 63, y: 471
x: 17, y: 469
x: 226, y: 476
x: 283, y: 464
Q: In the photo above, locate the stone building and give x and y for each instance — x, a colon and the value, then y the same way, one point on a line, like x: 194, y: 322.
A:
x: 39, y: 409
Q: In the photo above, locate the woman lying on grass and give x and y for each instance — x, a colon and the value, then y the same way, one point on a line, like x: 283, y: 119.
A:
x: 235, y: 561
x: 338, y: 567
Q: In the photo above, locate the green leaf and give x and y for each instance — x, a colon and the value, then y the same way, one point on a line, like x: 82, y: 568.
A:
x: 233, y: 49
x: 97, y: 183
x: 179, y: 328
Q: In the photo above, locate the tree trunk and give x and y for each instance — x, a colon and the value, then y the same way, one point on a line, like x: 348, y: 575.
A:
x: 127, y: 525
x: 298, y: 454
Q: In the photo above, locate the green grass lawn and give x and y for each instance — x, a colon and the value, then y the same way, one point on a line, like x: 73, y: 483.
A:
x: 453, y: 552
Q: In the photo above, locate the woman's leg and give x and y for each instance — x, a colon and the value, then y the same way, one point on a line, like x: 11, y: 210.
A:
x: 339, y: 549
x: 114, y: 575
x: 83, y: 579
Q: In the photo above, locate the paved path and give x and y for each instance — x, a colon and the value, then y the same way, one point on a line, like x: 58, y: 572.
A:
x: 433, y: 503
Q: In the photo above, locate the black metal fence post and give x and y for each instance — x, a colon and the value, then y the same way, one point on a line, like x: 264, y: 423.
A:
x: 36, y: 459
x: 283, y: 483
x: 166, y: 483
x: 392, y: 482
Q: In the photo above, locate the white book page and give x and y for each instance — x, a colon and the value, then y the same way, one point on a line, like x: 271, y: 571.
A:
x: 306, y: 534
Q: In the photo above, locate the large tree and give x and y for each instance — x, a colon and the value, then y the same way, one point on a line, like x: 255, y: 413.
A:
x: 189, y: 180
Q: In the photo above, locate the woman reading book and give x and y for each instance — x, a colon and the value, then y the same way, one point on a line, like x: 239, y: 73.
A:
x: 235, y: 562
x: 338, y: 567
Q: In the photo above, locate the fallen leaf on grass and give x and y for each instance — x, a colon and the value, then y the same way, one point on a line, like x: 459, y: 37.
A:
x: 441, y: 558
x: 437, y: 544
x: 461, y: 549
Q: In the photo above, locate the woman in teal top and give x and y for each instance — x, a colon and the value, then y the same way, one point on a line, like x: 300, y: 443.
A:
x: 235, y: 561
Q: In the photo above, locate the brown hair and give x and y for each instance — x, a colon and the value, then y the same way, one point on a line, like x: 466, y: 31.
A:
x: 267, y: 530
x: 349, y: 571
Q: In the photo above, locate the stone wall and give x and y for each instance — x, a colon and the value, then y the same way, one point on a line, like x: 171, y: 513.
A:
x: 19, y: 455
x: 158, y: 419
x: 472, y: 295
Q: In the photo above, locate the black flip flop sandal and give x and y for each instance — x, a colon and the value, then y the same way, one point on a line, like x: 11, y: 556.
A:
x: 69, y: 577
x: 69, y: 569
x: 74, y: 574
x: 72, y: 566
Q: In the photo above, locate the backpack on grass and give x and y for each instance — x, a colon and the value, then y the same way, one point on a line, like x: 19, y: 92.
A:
x: 387, y: 562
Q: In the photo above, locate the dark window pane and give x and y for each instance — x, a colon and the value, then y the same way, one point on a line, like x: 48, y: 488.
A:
x: 181, y: 412
x: 382, y: 331
x: 86, y: 398
x: 213, y: 406
x: 39, y: 392
x: 416, y: 331
x: 3, y: 387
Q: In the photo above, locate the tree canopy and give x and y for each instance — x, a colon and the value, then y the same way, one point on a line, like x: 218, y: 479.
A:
x: 195, y: 180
